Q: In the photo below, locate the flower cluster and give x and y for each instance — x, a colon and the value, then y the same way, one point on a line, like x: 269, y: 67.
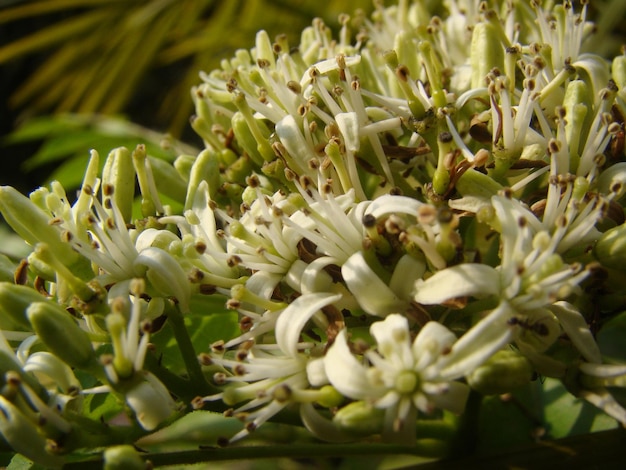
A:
x: 391, y: 218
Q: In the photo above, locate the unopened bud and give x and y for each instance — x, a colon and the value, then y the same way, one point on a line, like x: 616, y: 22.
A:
x: 610, y: 250
x: 505, y: 371
x: 61, y: 335
x: 123, y: 457
x: 360, y: 418
x: 24, y: 437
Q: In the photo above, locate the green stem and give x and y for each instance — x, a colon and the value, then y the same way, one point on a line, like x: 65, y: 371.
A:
x: 188, y: 353
x: 300, y: 451
x: 466, y: 438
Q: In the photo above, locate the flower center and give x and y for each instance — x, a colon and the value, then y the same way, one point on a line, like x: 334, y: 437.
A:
x: 407, y: 382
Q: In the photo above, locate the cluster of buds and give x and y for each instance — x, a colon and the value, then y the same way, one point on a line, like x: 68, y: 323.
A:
x: 426, y: 207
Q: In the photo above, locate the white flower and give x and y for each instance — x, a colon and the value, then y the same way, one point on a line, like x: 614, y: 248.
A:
x: 530, y: 280
x: 270, y: 377
x: 400, y: 376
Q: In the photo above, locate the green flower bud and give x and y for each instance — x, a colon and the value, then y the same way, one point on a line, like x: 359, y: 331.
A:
x: 62, y: 336
x: 360, y: 418
x: 123, y: 457
x: 486, y: 52
x: 618, y: 74
x: 577, y: 102
x: 118, y: 175
x: 24, y: 437
x: 14, y: 300
x: 503, y: 372
x: 7, y: 269
x: 183, y: 165
x: 8, y: 363
x: 32, y: 223
x: 198, y: 427
x: 205, y: 168
x: 252, y: 128
x: 610, y: 250
x: 168, y: 180
x: 150, y: 202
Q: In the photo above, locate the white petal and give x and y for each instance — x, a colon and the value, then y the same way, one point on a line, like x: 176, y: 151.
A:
x: 393, y: 339
x: 478, y: 344
x: 393, y: 204
x: 575, y: 325
x: 316, y: 372
x: 165, y: 274
x: 291, y: 321
x: 372, y: 294
x: 473, y: 279
x: 321, y: 427
x: 345, y: 373
x: 603, y: 370
x: 407, y: 270
x: 348, y: 124
x: 433, y: 332
x: 605, y: 401
x: 454, y: 398
x: 151, y: 402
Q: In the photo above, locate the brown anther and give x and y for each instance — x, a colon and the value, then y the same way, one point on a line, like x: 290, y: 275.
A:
x: 241, y: 355
x: 204, y: 359
x: 197, y: 403
x: 245, y: 324
x: 233, y: 261
x: 219, y: 378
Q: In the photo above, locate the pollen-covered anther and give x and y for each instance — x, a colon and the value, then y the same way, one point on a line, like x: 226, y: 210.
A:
x: 197, y: 403
x: 233, y: 304
x: 195, y: 276
x: 394, y: 224
x: 426, y: 214
x: 219, y: 378
x: 233, y: 261
x: 253, y: 181
x: 241, y: 355
x: 245, y: 324
x: 146, y: 326
x: 218, y: 346
x: 239, y: 370
x: 204, y: 359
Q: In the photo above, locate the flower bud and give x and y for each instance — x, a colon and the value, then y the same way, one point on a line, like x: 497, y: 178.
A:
x: 123, y: 457
x: 32, y: 223
x: 360, y: 418
x: 150, y: 401
x: 618, y: 74
x: 610, y: 250
x: 14, y: 300
x: 198, y: 427
x: 168, y: 180
x: 61, y: 335
x: 503, y: 372
x: 259, y: 133
x: 205, y: 168
x: 118, y: 174
x: 24, y: 437
x: 486, y: 53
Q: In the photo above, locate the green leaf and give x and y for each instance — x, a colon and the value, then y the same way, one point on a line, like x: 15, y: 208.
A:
x: 568, y: 415
x: 610, y: 339
x: 209, y: 321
